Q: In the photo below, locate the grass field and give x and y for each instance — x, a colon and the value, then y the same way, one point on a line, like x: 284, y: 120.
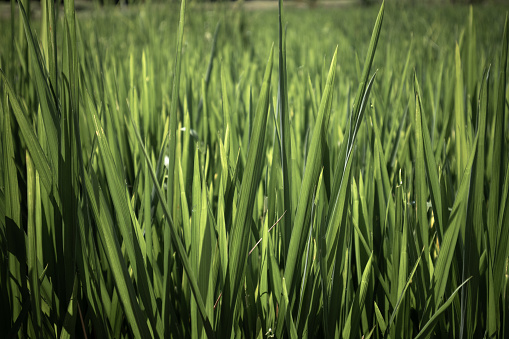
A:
x: 183, y: 170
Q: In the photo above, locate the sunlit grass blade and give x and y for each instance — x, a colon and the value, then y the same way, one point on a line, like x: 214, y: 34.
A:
x: 32, y: 259
x: 380, y: 319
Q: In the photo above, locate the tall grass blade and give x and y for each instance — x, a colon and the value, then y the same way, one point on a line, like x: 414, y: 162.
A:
x: 239, y: 234
x: 175, y: 238
x: 459, y: 118
x: 497, y: 145
x: 172, y: 156
x: 109, y: 239
x: 311, y: 174
x: 32, y: 259
x: 173, y: 113
x: 284, y: 127
x: 46, y: 94
x: 431, y: 167
x: 37, y: 154
x: 420, y: 179
x: 457, y: 218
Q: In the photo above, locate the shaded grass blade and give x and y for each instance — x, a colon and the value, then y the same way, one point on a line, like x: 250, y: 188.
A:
x: 428, y: 327
x: 284, y: 127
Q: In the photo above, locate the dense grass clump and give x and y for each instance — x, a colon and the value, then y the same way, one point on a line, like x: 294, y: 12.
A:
x: 180, y: 172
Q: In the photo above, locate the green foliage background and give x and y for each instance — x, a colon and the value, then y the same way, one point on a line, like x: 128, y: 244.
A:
x: 194, y: 172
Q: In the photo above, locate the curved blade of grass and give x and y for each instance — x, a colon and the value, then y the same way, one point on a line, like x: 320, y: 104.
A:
x: 72, y: 57
x: 426, y: 329
x: 12, y: 194
x: 49, y: 104
x: 402, y: 294
x: 39, y: 158
x: 49, y: 41
x: 365, y: 72
x: 380, y: 319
